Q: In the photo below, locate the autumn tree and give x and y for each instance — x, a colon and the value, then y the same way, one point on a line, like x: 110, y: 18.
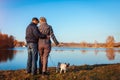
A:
x: 83, y: 44
x: 110, y: 42
x: 6, y: 41
x: 15, y: 42
x: 96, y: 44
x: 11, y: 41
x: 21, y: 43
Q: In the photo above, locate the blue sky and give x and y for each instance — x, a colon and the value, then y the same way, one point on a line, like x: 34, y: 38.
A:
x: 72, y: 20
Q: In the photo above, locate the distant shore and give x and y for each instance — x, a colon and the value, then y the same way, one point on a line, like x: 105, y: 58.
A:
x: 89, y: 45
x: 76, y: 45
x: 82, y: 72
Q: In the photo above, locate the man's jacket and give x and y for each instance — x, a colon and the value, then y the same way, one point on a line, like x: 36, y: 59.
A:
x: 33, y: 34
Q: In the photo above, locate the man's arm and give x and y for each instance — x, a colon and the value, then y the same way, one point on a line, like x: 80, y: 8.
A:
x: 38, y: 34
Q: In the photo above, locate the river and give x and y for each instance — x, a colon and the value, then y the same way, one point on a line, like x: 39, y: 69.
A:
x: 16, y: 58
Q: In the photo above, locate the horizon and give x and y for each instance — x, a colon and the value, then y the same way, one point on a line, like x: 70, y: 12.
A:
x: 72, y: 20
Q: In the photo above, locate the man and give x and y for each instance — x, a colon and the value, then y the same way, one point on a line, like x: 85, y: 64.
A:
x: 32, y: 36
x: 45, y: 45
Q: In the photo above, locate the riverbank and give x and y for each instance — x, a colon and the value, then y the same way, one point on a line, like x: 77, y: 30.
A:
x: 82, y: 72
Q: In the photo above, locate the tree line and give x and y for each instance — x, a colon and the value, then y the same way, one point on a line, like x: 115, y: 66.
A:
x: 7, y: 41
x: 109, y: 43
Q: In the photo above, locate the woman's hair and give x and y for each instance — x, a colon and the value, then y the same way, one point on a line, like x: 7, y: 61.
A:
x: 43, y: 19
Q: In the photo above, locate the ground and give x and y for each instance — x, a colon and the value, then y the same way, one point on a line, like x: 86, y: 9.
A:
x: 82, y: 72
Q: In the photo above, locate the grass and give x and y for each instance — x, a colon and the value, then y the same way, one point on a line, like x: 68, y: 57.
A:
x: 83, y: 72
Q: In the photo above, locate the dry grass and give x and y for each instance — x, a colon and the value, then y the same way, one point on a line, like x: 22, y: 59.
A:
x: 84, y: 72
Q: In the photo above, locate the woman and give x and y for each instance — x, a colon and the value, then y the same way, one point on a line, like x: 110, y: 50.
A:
x: 44, y: 45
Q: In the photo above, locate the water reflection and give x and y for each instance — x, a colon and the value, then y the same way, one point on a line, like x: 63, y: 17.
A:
x: 110, y: 53
x: 6, y: 55
x: 83, y: 51
x: 10, y: 59
x: 96, y: 51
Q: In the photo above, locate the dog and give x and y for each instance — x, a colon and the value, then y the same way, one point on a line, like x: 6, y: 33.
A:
x: 62, y: 67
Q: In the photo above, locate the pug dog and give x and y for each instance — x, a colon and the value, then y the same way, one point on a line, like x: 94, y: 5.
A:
x: 62, y: 67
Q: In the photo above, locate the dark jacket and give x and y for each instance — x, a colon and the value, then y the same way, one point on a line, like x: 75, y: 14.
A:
x: 33, y: 34
x: 46, y: 29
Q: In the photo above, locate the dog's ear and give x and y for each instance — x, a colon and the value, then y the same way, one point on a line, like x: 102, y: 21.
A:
x: 59, y: 63
x: 68, y: 64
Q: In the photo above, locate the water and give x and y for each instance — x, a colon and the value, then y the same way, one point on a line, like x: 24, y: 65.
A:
x: 16, y: 58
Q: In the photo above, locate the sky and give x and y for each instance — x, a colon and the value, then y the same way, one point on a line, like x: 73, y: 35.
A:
x: 71, y: 20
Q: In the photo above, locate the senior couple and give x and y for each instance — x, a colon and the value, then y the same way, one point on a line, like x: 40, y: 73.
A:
x: 38, y: 42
